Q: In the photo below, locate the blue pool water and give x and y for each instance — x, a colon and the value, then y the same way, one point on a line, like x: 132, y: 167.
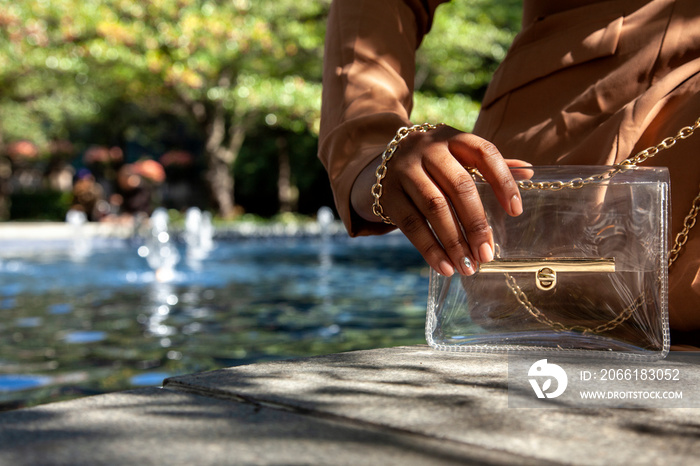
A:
x: 76, y: 324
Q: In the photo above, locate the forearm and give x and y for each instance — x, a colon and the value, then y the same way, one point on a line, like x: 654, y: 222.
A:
x: 369, y: 66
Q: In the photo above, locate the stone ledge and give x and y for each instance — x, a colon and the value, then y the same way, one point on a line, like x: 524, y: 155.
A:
x: 405, y: 405
x: 155, y: 426
x: 461, y: 397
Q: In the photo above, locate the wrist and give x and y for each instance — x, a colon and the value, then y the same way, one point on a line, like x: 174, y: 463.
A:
x: 360, y: 195
x: 377, y: 188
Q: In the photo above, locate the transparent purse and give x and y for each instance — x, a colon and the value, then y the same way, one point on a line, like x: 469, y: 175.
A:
x: 584, y: 268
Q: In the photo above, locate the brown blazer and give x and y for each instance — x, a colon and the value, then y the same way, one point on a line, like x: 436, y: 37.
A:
x: 585, y: 82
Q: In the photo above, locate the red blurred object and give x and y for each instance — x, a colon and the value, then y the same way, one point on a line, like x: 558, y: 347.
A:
x: 22, y: 150
x: 150, y: 169
x: 103, y: 154
x: 178, y: 158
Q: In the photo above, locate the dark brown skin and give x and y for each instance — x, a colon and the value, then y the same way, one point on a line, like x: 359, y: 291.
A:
x: 427, y: 185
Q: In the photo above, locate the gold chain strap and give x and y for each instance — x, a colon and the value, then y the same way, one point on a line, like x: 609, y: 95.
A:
x: 683, y: 133
x: 682, y: 237
x: 558, y: 326
x: 380, y: 173
x: 578, y: 183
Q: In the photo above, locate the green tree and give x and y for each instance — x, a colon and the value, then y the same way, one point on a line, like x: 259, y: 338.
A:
x: 41, y: 73
x: 455, y: 62
x: 225, y: 66
x: 225, y: 69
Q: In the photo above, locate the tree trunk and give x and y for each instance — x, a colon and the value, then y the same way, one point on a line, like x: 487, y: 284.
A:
x: 286, y: 191
x: 219, y: 155
x: 220, y: 183
x: 5, y: 175
x: 220, y: 160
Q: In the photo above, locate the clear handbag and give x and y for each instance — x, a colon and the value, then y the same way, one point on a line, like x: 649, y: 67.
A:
x: 583, y: 268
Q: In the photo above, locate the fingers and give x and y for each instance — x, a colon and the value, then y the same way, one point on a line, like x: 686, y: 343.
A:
x: 523, y: 173
x: 516, y: 163
x: 433, y: 228
x: 468, y: 218
x: 415, y: 226
x: 473, y: 151
x: 433, y: 199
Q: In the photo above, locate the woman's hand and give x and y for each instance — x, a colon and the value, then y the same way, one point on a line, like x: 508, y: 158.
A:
x: 428, y: 193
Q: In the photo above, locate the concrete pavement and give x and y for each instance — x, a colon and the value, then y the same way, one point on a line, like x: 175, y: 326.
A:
x: 405, y: 405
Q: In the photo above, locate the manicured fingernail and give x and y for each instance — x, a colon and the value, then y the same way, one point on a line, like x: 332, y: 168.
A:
x: 516, y: 205
x: 446, y: 269
x: 468, y: 267
x: 485, y: 253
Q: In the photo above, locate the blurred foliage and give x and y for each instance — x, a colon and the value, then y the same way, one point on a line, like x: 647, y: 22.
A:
x: 40, y: 205
x: 467, y: 42
x: 220, y: 79
x: 457, y: 59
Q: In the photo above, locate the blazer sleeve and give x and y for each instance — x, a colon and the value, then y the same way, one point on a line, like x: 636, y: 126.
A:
x: 368, y: 78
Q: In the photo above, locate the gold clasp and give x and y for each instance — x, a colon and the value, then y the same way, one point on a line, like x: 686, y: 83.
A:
x: 546, y: 269
x: 546, y: 278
